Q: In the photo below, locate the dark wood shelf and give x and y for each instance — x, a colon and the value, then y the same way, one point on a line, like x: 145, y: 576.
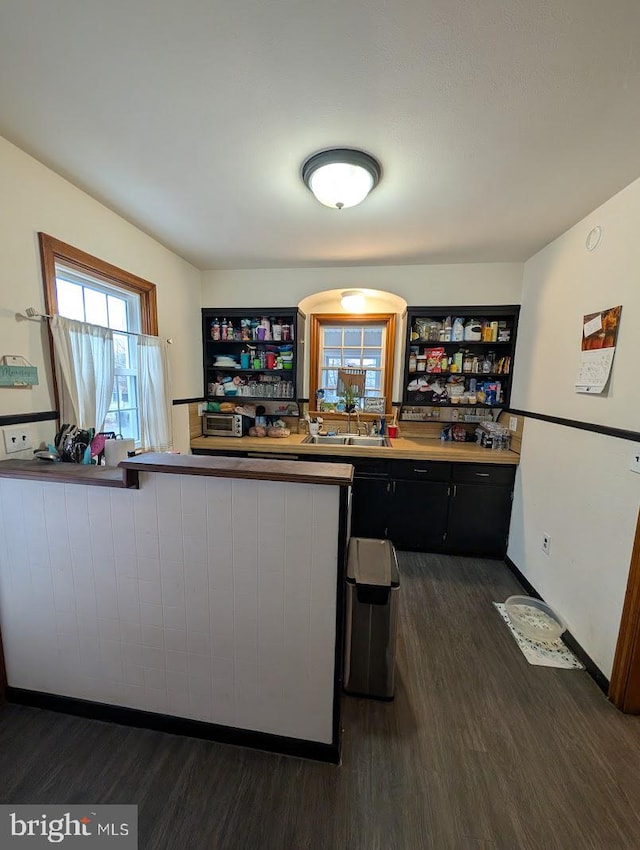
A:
x: 251, y: 342
x: 459, y: 404
x: 239, y: 399
x: 431, y: 343
x: 463, y: 374
x: 264, y: 371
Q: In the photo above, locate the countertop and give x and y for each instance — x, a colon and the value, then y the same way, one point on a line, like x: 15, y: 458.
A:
x: 65, y: 473
x: 233, y: 467
x: 408, y: 448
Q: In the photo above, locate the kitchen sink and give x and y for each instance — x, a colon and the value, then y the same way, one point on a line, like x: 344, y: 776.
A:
x: 346, y: 440
x: 369, y: 441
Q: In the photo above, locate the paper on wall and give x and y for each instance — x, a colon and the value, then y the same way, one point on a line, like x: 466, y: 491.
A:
x: 599, y: 335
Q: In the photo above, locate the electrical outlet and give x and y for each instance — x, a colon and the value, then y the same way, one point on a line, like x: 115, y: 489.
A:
x: 635, y: 460
x: 546, y: 544
x: 513, y: 423
x: 17, y: 439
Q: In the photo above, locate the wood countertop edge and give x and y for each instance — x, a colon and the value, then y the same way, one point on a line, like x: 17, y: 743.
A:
x: 64, y: 474
x: 259, y: 469
x: 431, y: 450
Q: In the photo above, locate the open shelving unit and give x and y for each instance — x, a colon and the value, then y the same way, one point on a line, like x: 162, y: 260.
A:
x: 251, y: 384
x: 417, y: 384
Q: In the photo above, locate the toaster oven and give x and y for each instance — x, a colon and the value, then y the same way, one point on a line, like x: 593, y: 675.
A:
x: 225, y: 424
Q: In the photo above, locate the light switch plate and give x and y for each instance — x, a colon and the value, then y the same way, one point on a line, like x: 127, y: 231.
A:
x: 513, y: 423
x: 635, y: 460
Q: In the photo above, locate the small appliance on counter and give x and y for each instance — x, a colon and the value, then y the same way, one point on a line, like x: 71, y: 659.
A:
x: 225, y: 424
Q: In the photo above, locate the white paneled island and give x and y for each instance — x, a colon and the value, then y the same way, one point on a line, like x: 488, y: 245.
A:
x: 207, y: 601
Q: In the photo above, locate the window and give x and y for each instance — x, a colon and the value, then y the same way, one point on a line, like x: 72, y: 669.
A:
x: 85, y: 288
x: 357, y: 342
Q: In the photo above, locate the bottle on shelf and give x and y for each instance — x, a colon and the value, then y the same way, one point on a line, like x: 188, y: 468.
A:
x: 276, y: 330
x: 447, y: 328
x: 230, y: 330
x: 215, y: 330
x: 487, y: 363
x: 286, y: 332
x: 223, y: 330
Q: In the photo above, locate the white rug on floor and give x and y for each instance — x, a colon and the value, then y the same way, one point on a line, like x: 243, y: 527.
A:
x: 550, y: 654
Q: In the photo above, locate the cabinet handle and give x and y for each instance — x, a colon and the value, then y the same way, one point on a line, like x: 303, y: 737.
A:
x: 394, y: 487
x: 482, y: 474
x: 420, y: 470
x: 455, y: 490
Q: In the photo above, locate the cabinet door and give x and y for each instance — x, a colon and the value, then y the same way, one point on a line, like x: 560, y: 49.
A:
x: 370, y: 507
x: 418, y: 515
x: 479, y: 519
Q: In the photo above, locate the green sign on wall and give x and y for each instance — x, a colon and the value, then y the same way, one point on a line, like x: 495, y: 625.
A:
x: 18, y: 376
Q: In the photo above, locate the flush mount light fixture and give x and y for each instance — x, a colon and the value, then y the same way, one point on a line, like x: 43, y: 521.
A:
x: 353, y: 301
x: 341, y: 177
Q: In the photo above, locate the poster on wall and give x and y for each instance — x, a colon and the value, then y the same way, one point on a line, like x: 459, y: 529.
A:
x: 599, y: 335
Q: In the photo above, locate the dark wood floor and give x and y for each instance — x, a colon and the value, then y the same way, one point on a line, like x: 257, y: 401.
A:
x: 479, y: 750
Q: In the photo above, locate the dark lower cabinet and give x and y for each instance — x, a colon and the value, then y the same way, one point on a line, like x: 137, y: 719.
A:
x: 479, y: 519
x: 370, y: 506
x: 418, y: 519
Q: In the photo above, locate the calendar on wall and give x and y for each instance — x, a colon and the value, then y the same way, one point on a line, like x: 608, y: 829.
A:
x: 598, y: 347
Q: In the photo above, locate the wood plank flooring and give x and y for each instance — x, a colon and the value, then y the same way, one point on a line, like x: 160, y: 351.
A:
x: 478, y: 750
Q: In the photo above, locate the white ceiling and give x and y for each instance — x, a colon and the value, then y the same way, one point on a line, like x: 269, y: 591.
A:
x: 498, y: 124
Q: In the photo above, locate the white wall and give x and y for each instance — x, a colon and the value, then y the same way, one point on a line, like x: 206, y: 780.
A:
x: 477, y: 283
x: 199, y: 597
x: 34, y: 199
x: 577, y: 486
x: 388, y: 288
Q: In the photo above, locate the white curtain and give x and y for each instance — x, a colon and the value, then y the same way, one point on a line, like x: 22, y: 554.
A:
x: 84, y: 356
x: 154, y: 394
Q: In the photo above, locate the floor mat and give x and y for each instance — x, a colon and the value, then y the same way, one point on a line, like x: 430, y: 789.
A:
x: 552, y: 654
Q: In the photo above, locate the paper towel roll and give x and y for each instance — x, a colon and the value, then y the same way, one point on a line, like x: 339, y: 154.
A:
x: 117, y: 450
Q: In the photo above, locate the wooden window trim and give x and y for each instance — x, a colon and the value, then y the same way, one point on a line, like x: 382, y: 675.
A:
x: 53, y: 250
x: 317, y: 320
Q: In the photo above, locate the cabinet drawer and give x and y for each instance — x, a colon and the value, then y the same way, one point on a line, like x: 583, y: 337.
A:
x: 483, y: 473
x: 420, y: 470
x: 369, y: 466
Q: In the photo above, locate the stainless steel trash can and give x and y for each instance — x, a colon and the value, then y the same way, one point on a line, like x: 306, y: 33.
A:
x: 371, y: 612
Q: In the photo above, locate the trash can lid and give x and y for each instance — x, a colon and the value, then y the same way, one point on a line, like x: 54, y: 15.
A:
x: 372, y: 562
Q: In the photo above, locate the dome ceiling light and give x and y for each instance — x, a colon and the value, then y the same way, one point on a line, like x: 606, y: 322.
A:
x: 341, y: 177
x: 353, y: 301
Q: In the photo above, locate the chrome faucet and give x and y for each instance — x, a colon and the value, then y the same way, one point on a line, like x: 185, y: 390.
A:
x: 360, y: 425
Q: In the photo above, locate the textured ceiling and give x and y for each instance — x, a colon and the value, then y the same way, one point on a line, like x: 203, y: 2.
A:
x: 498, y: 125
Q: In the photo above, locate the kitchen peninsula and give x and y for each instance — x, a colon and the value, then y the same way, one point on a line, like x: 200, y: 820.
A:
x: 423, y: 494
x: 206, y: 602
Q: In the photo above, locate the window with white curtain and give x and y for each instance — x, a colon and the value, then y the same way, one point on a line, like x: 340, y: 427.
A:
x: 90, y: 300
x: 86, y: 294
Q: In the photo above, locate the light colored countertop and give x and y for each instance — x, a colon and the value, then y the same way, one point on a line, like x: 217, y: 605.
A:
x: 407, y: 448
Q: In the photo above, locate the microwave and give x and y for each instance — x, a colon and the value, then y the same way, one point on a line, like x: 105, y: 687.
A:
x: 225, y: 424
